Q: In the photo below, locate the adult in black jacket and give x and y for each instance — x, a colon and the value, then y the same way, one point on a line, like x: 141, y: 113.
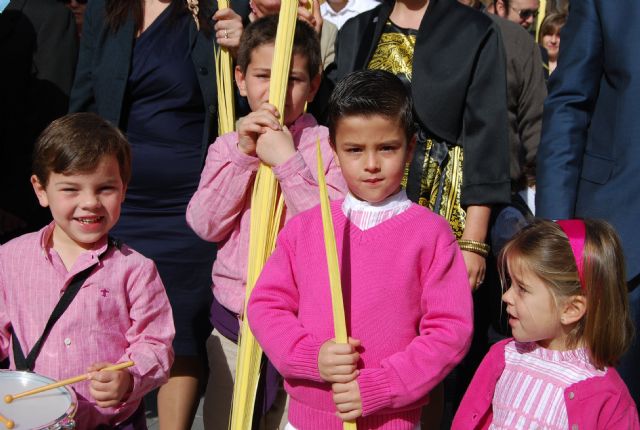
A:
x: 456, y: 71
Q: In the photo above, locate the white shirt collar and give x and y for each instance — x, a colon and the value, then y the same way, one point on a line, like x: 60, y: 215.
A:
x: 399, y: 199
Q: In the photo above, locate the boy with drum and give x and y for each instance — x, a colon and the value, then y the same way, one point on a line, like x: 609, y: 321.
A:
x: 110, y: 304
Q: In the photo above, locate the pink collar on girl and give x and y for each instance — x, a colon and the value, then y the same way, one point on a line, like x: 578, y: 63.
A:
x: 575, y: 231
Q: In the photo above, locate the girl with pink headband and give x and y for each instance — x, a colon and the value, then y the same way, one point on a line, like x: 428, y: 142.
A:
x: 566, y: 299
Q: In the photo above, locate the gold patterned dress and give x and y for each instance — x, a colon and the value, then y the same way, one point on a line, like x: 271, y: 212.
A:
x: 434, y: 177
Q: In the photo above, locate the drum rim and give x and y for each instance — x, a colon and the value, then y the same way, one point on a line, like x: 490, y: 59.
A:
x: 71, y: 410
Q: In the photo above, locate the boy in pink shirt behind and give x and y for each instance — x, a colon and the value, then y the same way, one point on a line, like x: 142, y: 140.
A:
x: 120, y: 311
x: 220, y: 210
x: 406, y: 291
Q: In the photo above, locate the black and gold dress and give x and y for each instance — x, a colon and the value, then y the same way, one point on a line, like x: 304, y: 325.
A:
x: 434, y: 176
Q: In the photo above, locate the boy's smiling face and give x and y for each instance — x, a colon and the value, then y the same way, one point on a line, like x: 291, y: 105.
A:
x: 372, y: 152
x: 84, y: 206
x: 254, y: 83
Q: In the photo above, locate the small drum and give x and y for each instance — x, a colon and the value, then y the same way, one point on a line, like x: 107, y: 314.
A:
x: 49, y: 410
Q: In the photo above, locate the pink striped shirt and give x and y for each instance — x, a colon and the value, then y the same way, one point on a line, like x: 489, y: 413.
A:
x: 220, y: 209
x: 121, y: 313
x: 530, y: 392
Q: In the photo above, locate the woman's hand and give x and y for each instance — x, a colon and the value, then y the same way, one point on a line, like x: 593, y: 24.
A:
x: 311, y: 16
x: 476, y: 226
x: 229, y: 29
x: 476, y: 267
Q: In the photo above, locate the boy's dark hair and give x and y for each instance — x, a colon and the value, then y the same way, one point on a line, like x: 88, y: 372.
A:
x: 263, y: 32
x: 76, y: 143
x: 371, y: 92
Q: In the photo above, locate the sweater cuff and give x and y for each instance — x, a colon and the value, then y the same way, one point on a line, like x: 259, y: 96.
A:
x: 290, y: 167
x: 304, y: 360
x: 375, y: 390
x: 243, y: 160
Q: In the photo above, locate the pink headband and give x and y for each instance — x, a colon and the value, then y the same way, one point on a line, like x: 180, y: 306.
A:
x: 575, y: 231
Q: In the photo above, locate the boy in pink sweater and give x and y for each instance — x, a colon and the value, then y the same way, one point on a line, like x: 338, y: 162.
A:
x: 406, y: 292
x: 220, y: 210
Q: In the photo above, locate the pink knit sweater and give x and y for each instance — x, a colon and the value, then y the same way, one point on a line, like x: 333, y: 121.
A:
x: 407, y: 298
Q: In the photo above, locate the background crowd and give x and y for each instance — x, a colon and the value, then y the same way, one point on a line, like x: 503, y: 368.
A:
x: 511, y: 124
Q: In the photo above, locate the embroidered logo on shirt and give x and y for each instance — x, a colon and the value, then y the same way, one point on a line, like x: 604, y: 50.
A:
x: 104, y: 292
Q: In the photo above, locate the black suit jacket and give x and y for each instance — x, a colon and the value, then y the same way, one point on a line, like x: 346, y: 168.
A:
x: 589, y: 154
x: 458, y: 86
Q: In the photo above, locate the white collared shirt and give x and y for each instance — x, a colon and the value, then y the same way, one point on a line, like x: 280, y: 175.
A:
x: 366, y: 215
x: 351, y: 9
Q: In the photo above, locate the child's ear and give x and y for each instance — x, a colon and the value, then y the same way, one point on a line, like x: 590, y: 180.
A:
x: 315, y: 85
x: 41, y: 192
x: 241, y: 82
x: 573, y: 310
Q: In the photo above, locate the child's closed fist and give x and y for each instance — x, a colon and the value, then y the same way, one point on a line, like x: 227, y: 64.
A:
x: 347, y: 399
x: 337, y: 362
x: 252, y: 126
x: 108, y: 387
x: 275, y: 147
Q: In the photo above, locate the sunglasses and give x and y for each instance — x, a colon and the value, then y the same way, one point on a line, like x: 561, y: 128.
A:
x: 522, y: 13
x: 77, y: 1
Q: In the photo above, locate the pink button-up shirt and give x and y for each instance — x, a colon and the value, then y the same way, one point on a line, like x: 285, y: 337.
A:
x: 121, y: 313
x: 220, y: 210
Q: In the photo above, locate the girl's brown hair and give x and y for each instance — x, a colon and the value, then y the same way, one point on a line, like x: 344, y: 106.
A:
x: 606, y: 329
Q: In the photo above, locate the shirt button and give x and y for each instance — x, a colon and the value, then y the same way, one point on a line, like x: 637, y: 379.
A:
x: 67, y: 341
x: 203, y: 70
x: 571, y: 396
x: 574, y: 427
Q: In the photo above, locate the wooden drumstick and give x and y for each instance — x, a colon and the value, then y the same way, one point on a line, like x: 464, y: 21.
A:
x: 7, y: 422
x: 10, y: 398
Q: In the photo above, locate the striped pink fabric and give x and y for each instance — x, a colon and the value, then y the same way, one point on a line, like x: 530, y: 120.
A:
x: 121, y: 313
x: 530, y: 392
x: 366, y: 215
x: 220, y: 210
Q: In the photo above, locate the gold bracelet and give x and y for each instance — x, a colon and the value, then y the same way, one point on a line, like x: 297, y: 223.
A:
x: 474, y: 246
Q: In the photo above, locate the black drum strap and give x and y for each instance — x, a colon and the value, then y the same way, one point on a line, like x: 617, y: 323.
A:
x: 67, y: 297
